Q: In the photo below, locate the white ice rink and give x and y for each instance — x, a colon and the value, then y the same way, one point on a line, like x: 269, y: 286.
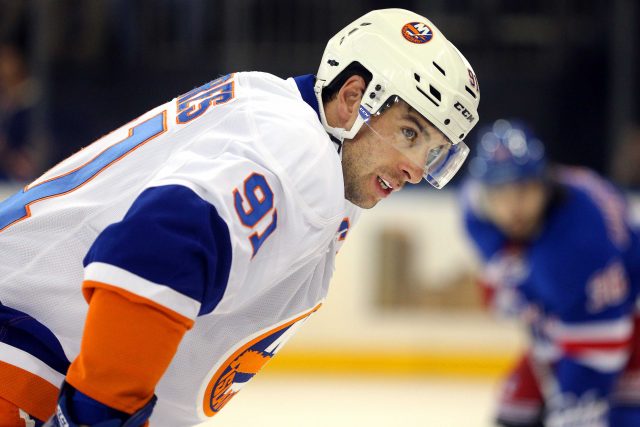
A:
x: 314, y: 401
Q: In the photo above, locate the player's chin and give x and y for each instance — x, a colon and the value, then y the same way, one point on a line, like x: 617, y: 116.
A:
x: 368, y: 202
x: 520, y: 231
x: 364, y: 201
x: 369, y: 205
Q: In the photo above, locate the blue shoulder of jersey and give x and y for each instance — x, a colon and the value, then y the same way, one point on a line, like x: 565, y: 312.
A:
x: 575, y: 266
x: 172, y: 237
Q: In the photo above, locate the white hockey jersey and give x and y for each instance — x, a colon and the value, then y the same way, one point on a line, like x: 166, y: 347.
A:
x: 225, y: 205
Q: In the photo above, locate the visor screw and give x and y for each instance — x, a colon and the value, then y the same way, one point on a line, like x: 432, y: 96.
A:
x: 372, y: 95
x: 447, y: 121
x: 378, y: 87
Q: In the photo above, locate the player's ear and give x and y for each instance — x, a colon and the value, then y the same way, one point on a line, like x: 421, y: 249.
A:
x: 349, y: 97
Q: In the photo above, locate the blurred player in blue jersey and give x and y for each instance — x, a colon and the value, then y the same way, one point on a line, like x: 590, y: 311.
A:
x: 151, y: 275
x: 560, y: 254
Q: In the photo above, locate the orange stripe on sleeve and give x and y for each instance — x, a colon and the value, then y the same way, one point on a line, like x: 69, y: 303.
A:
x: 89, y: 286
x: 127, y: 345
x: 10, y: 415
x: 27, y: 391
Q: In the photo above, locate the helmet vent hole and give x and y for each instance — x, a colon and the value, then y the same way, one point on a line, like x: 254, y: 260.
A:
x: 461, y: 136
x: 352, y: 31
x: 417, y: 77
x: 472, y: 93
x: 447, y: 121
x: 435, y: 92
x: 364, y: 24
x: 439, y: 68
x: 428, y: 97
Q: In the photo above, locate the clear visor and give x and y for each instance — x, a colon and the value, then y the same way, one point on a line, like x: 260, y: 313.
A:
x: 425, y: 147
x: 443, y: 163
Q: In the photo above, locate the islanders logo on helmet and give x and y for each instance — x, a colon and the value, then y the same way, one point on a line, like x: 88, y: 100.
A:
x: 417, y: 32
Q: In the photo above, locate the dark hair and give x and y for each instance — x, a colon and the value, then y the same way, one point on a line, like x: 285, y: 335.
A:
x: 353, y: 69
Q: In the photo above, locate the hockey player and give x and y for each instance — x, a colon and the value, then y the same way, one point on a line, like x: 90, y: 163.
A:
x: 203, y: 233
x: 559, y: 253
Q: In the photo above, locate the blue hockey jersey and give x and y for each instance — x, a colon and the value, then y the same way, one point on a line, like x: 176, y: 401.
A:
x: 577, y: 280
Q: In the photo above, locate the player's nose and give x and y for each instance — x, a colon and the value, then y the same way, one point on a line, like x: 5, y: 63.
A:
x: 411, y: 172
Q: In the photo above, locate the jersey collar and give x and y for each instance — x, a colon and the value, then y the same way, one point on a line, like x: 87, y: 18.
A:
x: 305, y: 85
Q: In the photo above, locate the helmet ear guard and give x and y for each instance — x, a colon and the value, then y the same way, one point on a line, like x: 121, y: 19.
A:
x: 372, y: 101
x: 408, y: 57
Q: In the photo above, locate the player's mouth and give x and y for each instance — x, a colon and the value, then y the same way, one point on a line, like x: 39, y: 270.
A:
x: 385, y: 187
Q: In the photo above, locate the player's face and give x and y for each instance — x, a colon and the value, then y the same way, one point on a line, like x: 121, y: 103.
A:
x: 517, y: 208
x: 389, y: 151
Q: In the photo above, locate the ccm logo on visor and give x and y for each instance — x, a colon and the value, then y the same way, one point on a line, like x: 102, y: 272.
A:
x: 465, y: 113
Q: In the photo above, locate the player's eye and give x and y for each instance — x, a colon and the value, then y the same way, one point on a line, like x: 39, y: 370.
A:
x: 409, y: 133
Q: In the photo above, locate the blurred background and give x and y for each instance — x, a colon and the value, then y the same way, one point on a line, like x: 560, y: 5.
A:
x: 402, y: 338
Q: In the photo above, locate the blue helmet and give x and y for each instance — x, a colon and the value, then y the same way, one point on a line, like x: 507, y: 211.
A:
x: 505, y: 153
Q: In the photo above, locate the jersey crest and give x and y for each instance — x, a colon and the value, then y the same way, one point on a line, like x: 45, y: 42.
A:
x: 244, y: 362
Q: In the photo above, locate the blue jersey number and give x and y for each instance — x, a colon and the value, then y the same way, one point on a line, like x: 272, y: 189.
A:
x: 258, y: 198
x: 17, y: 207
x: 193, y: 104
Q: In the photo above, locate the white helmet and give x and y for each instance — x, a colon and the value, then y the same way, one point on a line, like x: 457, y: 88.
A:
x: 410, y: 58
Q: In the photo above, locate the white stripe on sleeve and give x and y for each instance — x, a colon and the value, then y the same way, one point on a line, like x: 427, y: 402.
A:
x: 156, y: 292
